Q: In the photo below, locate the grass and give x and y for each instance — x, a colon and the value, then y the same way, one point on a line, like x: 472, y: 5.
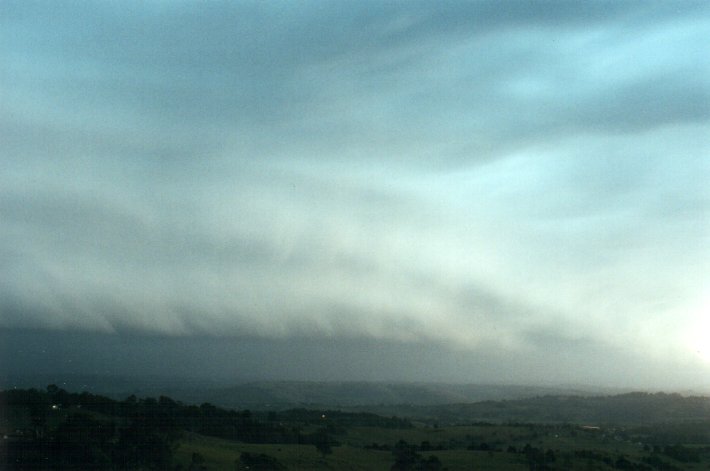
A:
x: 222, y: 454
x: 353, y: 455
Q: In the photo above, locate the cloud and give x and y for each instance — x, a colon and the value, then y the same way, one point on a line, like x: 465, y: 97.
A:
x: 460, y: 174
x: 476, y: 78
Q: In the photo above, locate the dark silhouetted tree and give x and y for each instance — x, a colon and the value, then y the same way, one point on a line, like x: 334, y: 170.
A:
x: 260, y: 462
x: 323, y: 442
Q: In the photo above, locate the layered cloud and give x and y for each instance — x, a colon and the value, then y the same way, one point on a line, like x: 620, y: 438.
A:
x: 518, y: 178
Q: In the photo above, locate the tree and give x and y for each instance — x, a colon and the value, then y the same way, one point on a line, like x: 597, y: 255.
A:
x: 196, y: 462
x: 323, y: 442
x: 82, y: 442
x: 430, y: 464
x: 405, y: 456
x: 260, y: 462
x: 550, y: 456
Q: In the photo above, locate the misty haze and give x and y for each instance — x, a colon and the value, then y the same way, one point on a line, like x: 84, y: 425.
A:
x: 413, y: 215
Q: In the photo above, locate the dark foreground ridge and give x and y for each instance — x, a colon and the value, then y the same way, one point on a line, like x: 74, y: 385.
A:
x: 56, y: 429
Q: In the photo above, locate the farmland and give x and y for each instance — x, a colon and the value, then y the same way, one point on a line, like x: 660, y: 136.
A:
x: 56, y: 429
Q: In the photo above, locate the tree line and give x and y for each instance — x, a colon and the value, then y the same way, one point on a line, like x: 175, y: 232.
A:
x: 63, y: 430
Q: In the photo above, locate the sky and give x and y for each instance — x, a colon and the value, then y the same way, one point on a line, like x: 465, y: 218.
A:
x: 448, y: 191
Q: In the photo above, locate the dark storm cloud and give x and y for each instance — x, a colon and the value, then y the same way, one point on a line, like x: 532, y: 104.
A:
x: 480, y: 175
x: 56, y: 354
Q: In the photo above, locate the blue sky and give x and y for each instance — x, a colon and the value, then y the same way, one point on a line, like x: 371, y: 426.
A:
x: 508, y: 180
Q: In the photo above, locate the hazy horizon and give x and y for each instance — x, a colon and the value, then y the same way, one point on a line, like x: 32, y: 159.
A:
x: 462, y: 192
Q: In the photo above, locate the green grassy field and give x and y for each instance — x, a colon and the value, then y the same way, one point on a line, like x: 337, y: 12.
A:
x: 604, y: 448
x: 223, y: 454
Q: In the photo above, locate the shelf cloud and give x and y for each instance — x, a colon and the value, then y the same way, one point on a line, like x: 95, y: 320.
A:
x: 518, y: 178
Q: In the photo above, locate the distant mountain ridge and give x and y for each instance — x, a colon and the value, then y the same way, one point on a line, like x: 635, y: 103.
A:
x: 424, y: 402
x: 286, y: 394
x: 280, y: 394
x: 629, y: 408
